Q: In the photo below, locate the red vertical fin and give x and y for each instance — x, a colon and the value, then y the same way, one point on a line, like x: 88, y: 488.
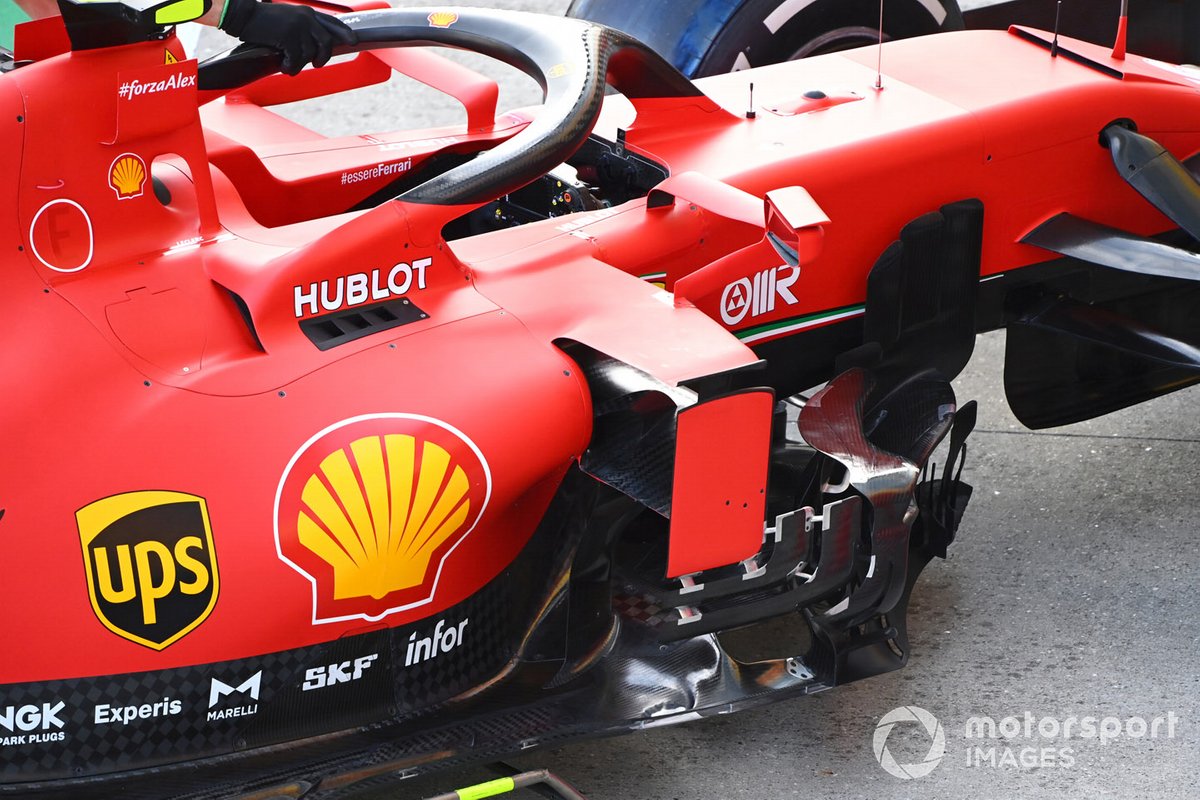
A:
x: 1122, y: 32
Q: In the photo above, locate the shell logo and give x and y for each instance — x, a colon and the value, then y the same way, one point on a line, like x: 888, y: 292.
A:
x: 370, y: 509
x: 127, y: 176
x: 443, y: 19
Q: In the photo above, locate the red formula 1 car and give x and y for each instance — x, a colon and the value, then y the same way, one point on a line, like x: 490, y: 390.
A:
x: 334, y: 459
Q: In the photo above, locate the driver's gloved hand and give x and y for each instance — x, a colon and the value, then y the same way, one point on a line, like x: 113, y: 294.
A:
x: 301, y: 34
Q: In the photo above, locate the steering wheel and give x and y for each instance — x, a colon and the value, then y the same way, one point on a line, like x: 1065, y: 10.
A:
x: 571, y: 60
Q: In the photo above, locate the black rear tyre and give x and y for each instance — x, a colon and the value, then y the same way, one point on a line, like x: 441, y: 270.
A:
x: 770, y: 31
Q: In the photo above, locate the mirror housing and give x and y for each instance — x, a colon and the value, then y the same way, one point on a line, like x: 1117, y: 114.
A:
x: 795, y: 225
x: 92, y: 24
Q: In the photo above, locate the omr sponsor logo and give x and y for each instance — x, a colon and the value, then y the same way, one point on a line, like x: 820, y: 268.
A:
x: 108, y: 714
x: 32, y: 724
x: 756, y: 297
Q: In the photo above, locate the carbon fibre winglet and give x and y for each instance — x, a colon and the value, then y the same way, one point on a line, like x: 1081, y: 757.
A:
x: 1157, y: 175
x: 1073, y: 236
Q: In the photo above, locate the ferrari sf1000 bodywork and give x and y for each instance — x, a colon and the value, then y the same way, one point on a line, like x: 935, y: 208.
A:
x: 329, y: 458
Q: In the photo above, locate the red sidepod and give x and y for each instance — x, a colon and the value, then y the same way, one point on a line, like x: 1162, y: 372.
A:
x: 210, y: 481
x: 188, y: 483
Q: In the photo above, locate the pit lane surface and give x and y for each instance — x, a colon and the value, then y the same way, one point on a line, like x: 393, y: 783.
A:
x: 1071, y: 592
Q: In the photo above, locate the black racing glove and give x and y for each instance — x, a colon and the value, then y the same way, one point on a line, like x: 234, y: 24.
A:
x: 299, y: 33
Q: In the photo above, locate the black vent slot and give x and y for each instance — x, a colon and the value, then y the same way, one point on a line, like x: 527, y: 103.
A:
x: 331, y: 330
x: 244, y: 310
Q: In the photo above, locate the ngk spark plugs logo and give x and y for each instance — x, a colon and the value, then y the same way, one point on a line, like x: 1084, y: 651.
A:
x: 369, y: 509
x: 150, y: 563
x: 754, y: 297
x: 32, y: 723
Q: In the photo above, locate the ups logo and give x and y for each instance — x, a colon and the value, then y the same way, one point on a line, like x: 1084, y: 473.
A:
x: 150, y: 563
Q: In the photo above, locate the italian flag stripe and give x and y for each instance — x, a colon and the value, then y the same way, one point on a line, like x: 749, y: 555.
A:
x: 794, y: 324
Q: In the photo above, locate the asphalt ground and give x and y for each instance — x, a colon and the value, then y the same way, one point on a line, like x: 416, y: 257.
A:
x: 1070, y: 593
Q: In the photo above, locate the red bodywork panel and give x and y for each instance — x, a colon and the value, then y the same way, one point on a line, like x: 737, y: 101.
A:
x: 932, y: 135
x: 720, y: 492
x: 164, y: 371
x: 167, y: 350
